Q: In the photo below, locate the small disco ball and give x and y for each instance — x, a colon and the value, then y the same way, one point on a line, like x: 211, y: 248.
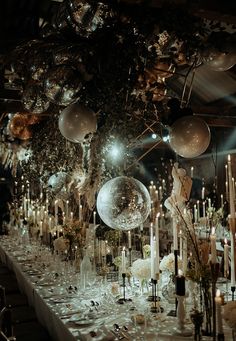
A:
x: 123, y: 203
x: 58, y: 181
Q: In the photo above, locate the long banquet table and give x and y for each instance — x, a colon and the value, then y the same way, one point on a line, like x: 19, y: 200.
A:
x: 71, y: 312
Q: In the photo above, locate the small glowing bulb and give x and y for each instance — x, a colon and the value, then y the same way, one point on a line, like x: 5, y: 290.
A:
x: 154, y: 136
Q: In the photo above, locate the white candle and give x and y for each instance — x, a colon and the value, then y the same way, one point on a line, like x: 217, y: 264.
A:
x: 181, y: 244
x: 195, y: 213
x: 40, y: 228
x: 227, y: 190
x: 192, y: 168
x: 185, y: 255
x: 160, y: 192
x: 226, y: 259
x: 213, y: 246
x: 157, y: 262
x: 129, y: 240
x: 71, y: 216
x: 175, y: 235
x: 80, y: 212
x: 153, y: 241
x: 50, y: 223
x: 218, y: 301
x: 198, y: 210
x: 232, y: 263
x: 123, y: 263
x: 232, y: 221
x: 156, y: 195
x: 94, y: 218
x: 203, y: 193
x: 67, y: 208
x: 34, y: 216
x: 209, y: 202
x: 222, y: 201
x: 151, y: 232
x: 204, y: 209
x: 231, y: 192
x: 56, y: 213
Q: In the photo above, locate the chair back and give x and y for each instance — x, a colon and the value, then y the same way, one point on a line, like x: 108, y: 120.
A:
x: 3, y: 337
x: 6, y: 322
x: 2, y: 297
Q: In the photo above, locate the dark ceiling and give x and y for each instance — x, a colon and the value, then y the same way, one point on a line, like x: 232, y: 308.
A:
x: 213, y: 93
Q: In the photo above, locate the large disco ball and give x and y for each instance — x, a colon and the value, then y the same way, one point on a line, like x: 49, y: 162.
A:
x: 189, y: 136
x: 123, y: 203
x: 76, y: 122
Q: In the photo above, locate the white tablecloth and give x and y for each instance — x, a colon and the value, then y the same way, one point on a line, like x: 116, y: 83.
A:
x: 59, y: 316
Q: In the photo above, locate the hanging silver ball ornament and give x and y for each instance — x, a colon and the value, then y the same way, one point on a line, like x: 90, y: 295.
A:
x: 34, y: 99
x: 89, y: 16
x: 58, y: 182
x: 77, y: 122
x: 189, y: 136
x: 220, y: 61
x: 62, y: 85
x: 123, y: 203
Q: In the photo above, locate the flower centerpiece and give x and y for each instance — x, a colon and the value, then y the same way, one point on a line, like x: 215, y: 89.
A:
x: 167, y: 267
x: 61, y: 244
x: 141, y: 269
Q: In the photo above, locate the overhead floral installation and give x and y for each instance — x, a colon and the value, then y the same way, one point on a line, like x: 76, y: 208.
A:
x: 98, y: 72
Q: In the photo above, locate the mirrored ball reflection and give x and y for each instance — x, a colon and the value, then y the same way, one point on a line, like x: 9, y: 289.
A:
x: 190, y: 136
x: 123, y: 203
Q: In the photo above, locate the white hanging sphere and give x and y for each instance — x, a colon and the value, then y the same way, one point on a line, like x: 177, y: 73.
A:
x: 189, y: 136
x: 221, y: 61
x: 123, y: 203
x: 76, y: 122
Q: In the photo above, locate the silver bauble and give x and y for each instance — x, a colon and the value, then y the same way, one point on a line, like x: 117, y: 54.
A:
x: 123, y: 203
x: 220, y: 61
x: 58, y: 182
x: 189, y: 136
x: 76, y: 122
x: 62, y: 85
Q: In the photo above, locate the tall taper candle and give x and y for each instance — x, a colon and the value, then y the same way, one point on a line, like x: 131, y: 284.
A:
x: 129, y: 240
x: 157, y: 270
x: 175, y: 235
x: 226, y: 259
x: 213, y: 246
x: 218, y: 301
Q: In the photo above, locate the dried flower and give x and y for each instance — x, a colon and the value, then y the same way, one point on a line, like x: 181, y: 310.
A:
x: 229, y: 314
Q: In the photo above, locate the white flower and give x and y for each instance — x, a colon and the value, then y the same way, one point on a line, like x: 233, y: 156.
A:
x: 24, y: 154
x: 147, y: 250
x: 141, y: 268
x: 229, y: 314
x: 168, y: 263
x: 61, y: 244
